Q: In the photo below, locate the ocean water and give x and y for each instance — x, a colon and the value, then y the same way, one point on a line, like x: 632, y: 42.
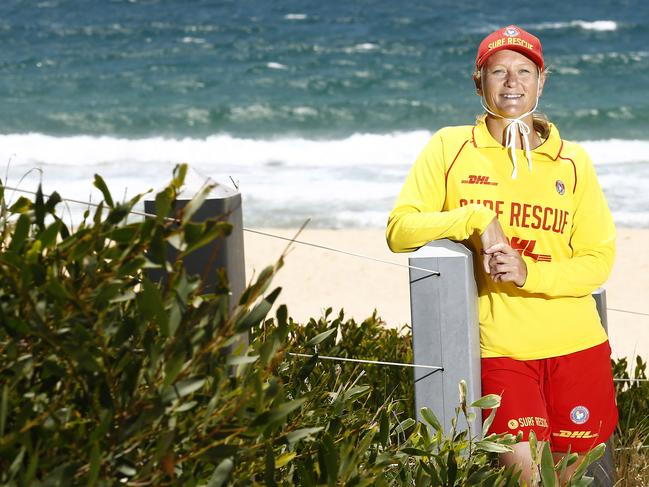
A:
x: 313, y: 109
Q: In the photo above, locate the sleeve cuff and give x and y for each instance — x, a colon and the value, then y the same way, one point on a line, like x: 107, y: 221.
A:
x: 481, y: 217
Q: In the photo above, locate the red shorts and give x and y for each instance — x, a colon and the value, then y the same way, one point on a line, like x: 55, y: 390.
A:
x: 567, y: 400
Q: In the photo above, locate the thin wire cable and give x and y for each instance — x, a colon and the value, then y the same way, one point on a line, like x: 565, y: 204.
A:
x: 370, y: 362
x: 641, y: 447
x: 89, y: 203
x: 250, y: 230
x: 630, y: 312
x: 323, y: 247
x: 435, y: 368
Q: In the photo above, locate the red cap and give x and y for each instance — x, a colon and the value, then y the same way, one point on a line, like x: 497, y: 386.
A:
x: 513, y: 38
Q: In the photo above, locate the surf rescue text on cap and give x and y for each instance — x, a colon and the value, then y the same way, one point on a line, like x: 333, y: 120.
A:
x: 512, y: 38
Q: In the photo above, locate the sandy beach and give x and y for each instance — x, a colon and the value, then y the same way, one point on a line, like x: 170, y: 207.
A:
x: 313, y: 279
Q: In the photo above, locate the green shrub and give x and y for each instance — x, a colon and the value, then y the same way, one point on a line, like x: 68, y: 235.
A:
x: 111, y: 379
x: 632, y: 433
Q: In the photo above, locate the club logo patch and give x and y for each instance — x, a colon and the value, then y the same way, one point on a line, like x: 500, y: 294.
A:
x: 561, y: 188
x: 512, y: 424
x: 579, y: 414
x: 511, y: 32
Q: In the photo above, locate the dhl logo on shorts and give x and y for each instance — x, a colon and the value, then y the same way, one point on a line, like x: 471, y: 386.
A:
x: 575, y: 434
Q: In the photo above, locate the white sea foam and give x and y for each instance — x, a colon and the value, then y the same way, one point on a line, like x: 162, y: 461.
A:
x: 193, y: 40
x: 597, y: 25
x: 615, y: 151
x: 601, y: 25
x: 356, y: 150
x: 295, y: 16
x: 351, y: 181
x: 273, y: 65
x: 363, y: 47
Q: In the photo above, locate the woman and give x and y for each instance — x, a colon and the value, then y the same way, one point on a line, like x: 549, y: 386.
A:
x: 529, y: 206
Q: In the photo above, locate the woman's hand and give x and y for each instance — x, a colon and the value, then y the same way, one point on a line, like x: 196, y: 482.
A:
x: 506, y: 264
x: 491, y: 236
x: 500, y: 260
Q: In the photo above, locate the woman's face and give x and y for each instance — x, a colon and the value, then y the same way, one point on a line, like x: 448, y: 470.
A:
x: 510, y: 83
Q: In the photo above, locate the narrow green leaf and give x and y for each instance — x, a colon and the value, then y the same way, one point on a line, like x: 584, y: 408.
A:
x: 241, y: 359
x: 354, y: 392
x: 118, y: 213
x: 489, y: 401
x: 451, y: 464
x: 195, y: 203
x: 20, y: 232
x: 21, y: 205
x: 404, y: 425
x: 173, y: 367
x: 534, y: 450
x: 100, y: 184
x: 39, y: 208
x: 487, y: 422
x: 258, y: 313
x: 260, y: 285
x: 52, y: 201
x: 430, y: 418
x: 126, y: 469
x: 48, y: 236
x: 123, y: 234
x: 163, y: 443
x: 95, y: 464
x: 181, y: 389
x: 14, y: 468
x: 491, y: 446
x: 416, y: 452
x: 32, y: 467
x: 180, y: 171
x: 302, y: 434
x: 548, y: 477
x: 4, y: 406
x: 284, y: 458
x: 320, y: 337
x: 211, y: 232
x: 463, y: 391
x: 384, y: 428
x: 590, y: 457
x: 56, y: 289
x: 150, y: 303
x: 278, y: 413
x: 269, y: 472
x: 163, y: 203
x: 329, y: 456
x: 282, y: 315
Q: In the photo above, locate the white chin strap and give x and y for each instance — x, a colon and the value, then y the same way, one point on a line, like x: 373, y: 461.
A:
x: 516, y: 126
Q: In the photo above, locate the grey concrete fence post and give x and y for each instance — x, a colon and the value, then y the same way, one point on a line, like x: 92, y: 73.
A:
x: 226, y: 253
x: 444, y: 311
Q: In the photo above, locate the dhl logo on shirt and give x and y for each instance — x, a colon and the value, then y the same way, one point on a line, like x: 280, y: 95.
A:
x: 575, y: 434
x: 475, y: 179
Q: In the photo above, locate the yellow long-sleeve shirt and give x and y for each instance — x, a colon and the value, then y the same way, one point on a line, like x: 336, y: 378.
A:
x: 555, y: 215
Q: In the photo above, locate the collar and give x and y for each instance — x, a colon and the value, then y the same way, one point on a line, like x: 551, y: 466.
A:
x: 482, y: 138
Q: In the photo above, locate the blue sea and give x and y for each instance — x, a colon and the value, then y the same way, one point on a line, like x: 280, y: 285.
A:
x: 313, y: 109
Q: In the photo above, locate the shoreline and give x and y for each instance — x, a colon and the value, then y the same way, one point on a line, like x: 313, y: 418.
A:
x: 313, y: 279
